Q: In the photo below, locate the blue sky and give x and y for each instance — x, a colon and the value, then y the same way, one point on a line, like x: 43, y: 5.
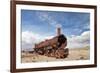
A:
x: 44, y: 22
x: 40, y: 25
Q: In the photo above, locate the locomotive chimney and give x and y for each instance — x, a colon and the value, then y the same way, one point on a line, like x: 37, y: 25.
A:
x: 58, y: 31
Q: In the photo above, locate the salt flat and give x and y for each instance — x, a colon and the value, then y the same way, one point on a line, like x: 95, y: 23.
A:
x: 74, y: 54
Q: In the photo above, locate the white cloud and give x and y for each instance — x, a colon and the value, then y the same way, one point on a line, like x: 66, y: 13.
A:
x: 45, y: 17
x: 29, y: 39
x: 79, y: 41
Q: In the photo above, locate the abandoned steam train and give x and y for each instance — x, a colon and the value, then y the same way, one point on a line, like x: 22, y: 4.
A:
x: 54, y: 47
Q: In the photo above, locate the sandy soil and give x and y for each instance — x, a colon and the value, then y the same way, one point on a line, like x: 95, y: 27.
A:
x: 74, y: 54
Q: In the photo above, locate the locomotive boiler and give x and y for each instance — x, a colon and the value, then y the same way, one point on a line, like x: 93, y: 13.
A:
x: 54, y: 47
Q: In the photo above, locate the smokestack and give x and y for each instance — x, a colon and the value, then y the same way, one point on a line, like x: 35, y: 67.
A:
x: 58, y: 31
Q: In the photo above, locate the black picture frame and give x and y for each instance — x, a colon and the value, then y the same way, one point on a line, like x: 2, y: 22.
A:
x: 13, y: 35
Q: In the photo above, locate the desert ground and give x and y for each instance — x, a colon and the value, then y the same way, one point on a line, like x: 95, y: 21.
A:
x: 74, y: 54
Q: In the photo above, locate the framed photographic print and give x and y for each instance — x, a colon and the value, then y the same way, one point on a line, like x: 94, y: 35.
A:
x: 52, y: 36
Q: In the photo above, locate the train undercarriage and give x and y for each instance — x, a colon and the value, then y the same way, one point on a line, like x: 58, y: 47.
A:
x: 61, y: 53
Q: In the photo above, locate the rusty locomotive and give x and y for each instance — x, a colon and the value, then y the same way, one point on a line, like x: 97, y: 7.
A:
x: 54, y: 47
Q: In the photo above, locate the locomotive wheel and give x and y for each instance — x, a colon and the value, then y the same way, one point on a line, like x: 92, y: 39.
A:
x: 59, y: 54
x: 66, y: 51
x: 41, y: 52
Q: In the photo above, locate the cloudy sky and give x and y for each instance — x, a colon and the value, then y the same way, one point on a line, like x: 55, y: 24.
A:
x: 40, y: 25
